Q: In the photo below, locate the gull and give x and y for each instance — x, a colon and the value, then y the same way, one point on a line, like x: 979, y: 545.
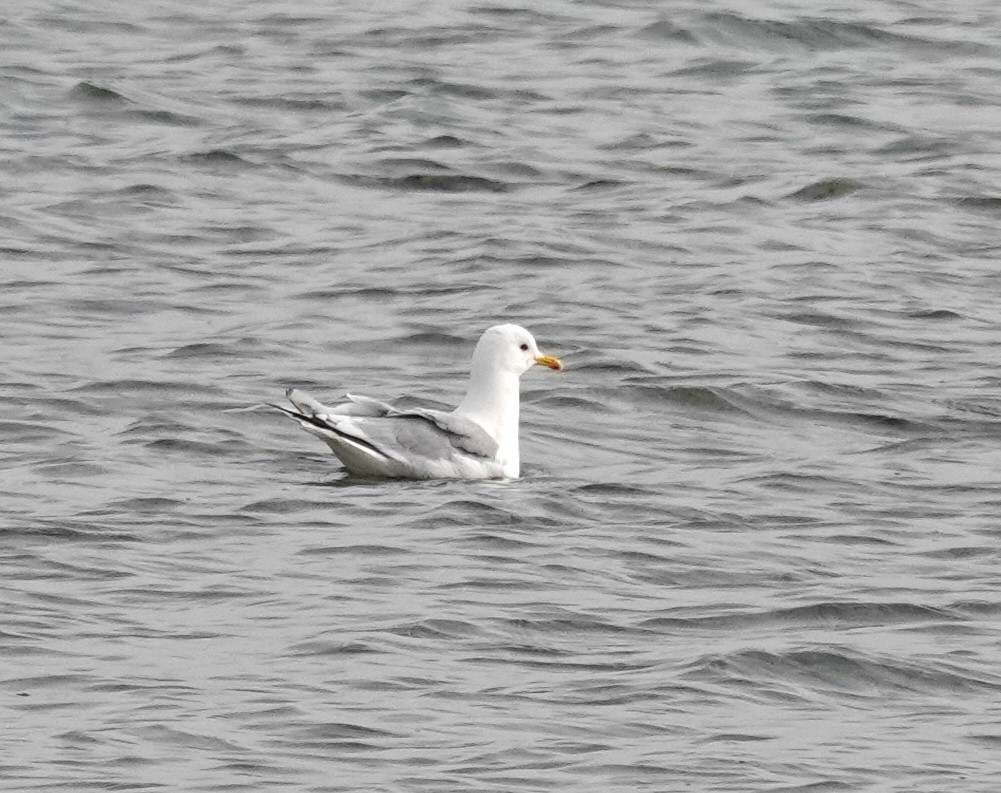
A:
x: 477, y: 440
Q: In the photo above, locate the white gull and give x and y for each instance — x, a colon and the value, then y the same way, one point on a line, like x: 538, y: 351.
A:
x: 477, y: 440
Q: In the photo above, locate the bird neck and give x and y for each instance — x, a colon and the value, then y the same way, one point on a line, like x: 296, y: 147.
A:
x: 492, y: 402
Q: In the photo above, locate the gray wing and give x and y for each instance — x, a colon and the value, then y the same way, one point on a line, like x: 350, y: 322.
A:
x: 406, y: 438
x: 434, y: 434
x: 462, y: 433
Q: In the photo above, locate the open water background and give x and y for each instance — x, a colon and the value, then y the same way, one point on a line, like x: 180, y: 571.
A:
x: 756, y: 544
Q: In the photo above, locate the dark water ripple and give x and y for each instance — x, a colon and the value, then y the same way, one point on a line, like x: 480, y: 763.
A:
x: 756, y: 543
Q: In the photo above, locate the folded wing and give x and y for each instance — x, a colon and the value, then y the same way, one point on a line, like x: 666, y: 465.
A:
x: 379, y: 430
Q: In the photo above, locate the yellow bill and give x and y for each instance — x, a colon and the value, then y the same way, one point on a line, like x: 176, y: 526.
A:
x: 550, y: 362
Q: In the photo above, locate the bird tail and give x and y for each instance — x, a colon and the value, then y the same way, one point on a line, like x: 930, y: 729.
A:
x: 309, y: 412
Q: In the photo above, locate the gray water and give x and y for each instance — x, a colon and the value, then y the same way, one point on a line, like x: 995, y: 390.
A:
x: 756, y: 542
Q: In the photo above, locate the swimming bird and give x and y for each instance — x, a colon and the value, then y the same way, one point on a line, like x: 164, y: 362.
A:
x: 477, y: 440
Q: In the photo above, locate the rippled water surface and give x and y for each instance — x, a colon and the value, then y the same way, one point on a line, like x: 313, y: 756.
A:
x: 756, y: 543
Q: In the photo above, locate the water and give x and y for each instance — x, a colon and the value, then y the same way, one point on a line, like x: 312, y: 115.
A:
x: 755, y: 546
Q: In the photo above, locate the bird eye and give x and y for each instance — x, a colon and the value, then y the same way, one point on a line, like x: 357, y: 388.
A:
x: 524, y: 346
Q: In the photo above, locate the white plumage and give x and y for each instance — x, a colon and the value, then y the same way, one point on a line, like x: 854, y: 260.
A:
x: 477, y: 440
